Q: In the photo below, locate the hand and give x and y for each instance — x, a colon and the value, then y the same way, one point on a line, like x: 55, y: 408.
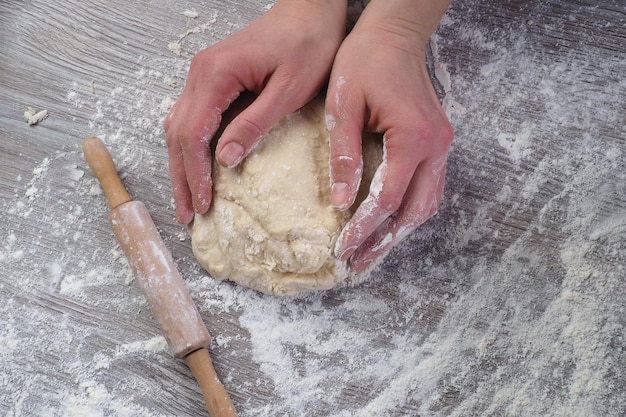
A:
x: 379, y: 82
x: 285, y: 57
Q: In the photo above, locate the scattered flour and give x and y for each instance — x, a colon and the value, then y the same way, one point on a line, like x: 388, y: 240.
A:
x: 449, y: 104
x: 509, y: 302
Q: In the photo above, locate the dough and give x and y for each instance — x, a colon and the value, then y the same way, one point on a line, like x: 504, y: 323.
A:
x: 32, y: 116
x: 271, y: 226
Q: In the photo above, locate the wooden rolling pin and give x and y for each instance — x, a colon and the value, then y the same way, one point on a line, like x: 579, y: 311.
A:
x: 162, y: 285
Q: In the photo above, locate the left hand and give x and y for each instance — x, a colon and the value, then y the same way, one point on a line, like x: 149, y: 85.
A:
x: 380, y: 83
x: 285, y: 56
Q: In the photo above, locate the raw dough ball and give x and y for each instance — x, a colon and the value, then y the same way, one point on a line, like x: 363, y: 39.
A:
x: 271, y: 226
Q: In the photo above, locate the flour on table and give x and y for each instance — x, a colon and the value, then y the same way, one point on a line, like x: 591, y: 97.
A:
x: 449, y: 104
x: 271, y: 226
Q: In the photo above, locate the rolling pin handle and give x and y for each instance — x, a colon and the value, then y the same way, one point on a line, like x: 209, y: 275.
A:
x: 102, y: 165
x: 216, y: 398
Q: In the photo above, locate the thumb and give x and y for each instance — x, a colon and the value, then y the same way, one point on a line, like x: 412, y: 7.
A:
x: 246, y: 130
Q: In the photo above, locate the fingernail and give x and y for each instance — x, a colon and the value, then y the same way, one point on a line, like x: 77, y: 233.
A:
x: 346, y: 253
x: 339, y: 195
x: 231, y: 154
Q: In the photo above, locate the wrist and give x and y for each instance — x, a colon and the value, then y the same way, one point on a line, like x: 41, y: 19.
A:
x: 324, y: 15
x: 409, y: 22
x: 337, y: 9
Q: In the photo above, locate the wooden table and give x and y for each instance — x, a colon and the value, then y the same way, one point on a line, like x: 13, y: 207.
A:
x: 511, y: 301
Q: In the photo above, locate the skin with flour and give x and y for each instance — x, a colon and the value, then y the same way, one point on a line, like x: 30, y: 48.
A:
x: 377, y: 81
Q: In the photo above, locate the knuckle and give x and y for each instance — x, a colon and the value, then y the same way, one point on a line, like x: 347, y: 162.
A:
x: 202, y: 58
x: 284, y: 85
x: 345, y: 164
x: 445, y: 135
x: 210, y: 63
x: 198, y: 61
x: 390, y: 201
x: 436, y: 136
x: 402, y: 144
x: 171, y: 140
x: 253, y: 125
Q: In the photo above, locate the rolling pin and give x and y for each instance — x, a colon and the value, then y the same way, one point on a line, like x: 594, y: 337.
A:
x: 159, y: 280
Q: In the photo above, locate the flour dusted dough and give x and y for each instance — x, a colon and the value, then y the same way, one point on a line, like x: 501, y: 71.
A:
x: 271, y: 226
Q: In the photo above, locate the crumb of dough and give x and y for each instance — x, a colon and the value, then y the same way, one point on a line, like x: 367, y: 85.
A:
x: 32, y: 116
x: 191, y: 14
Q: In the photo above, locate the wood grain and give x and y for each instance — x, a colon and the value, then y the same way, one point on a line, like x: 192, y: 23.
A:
x: 77, y: 335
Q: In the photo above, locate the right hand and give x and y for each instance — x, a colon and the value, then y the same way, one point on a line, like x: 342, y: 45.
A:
x: 284, y: 57
x: 380, y: 83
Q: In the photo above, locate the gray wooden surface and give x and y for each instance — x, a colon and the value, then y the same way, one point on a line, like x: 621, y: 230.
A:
x: 511, y: 301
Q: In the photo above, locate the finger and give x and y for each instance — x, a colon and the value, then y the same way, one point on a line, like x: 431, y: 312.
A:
x: 189, y: 139
x: 421, y: 202
x: 190, y: 126
x: 246, y: 130
x: 387, y: 190
x: 345, y: 120
x: 180, y: 188
x: 197, y: 163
